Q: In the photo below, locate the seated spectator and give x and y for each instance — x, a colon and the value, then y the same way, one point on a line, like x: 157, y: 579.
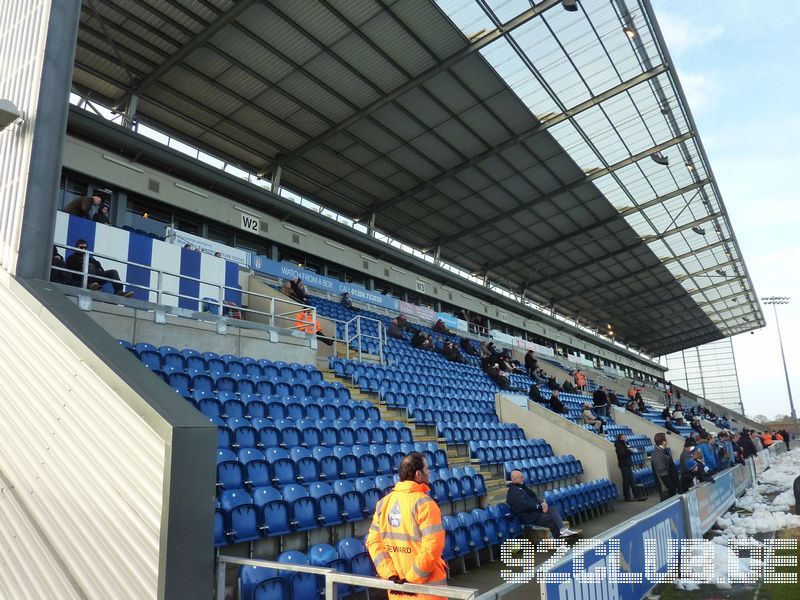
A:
x: 299, y: 290
x: 612, y: 399
x: 669, y: 425
x: 286, y: 288
x: 590, y: 419
x: 347, y: 302
x: 56, y: 274
x: 677, y: 414
x: 525, y: 504
x: 85, y: 206
x: 556, y: 405
x: 484, y: 350
x: 467, y: 347
x: 451, y: 353
x: 97, y: 275
x: 404, y: 325
x: 567, y: 386
x: 102, y: 215
x: 394, y: 330
x: 666, y: 413
x: 498, y: 376
x: 535, y: 394
x: 642, y: 406
x: 422, y: 341
x: 552, y: 383
x: 440, y: 327
x: 633, y: 407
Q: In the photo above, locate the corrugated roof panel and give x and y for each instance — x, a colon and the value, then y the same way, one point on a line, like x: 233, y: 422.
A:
x: 368, y: 63
x: 398, y: 44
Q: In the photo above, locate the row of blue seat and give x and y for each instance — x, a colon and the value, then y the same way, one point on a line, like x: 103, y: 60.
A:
x: 276, y: 407
x: 424, y: 401
x: 489, y: 452
x: 460, y: 433
x: 187, y: 385
x: 581, y: 497
x: 424, y: 416
x: 349, y: 556
x: 545, y: 470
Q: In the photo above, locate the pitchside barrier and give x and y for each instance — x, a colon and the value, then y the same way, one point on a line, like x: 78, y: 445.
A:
x: 639, y: 550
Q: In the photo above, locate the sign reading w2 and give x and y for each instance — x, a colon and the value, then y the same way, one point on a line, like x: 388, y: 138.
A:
x: 250, y: 223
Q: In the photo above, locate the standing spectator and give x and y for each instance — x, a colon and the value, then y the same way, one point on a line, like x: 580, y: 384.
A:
x: 580, y: 380
x: 664, y: 467
x: 746, y: 444
x: 723, y: 450
x: 409, y: 522
x: 102, y: 214
x: 85, y: 206
x: 707, y: 450
x: 687, y: 476
x: 530, y: 363
x: 525, y: 504
x: 97, y: 274
x: 624, y: 453
x: 612, y: 399
x: 686, y: 455
x: 600, y: 401
x: 754, y: 437
x: 796, y: 489
x: 677, y: 414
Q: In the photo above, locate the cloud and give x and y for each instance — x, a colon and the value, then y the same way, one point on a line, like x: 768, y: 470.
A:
x: 702, y: 90
x: 683, y: 34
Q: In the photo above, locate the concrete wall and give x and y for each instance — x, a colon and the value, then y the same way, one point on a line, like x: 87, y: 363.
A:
x: 595, y: 452
x: 644, y: 427
x: 139, y: 325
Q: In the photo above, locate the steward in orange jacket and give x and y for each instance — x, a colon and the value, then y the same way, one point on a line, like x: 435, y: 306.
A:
x: 304, y: 321
x: 406, y: 537
x: 580, y: 379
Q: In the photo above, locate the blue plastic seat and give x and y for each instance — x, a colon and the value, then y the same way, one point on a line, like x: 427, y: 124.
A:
x: 303, y: 585
x: 231, y: 475
x: 304, y: 509
x: 253, y: 578
x: 329, y: 504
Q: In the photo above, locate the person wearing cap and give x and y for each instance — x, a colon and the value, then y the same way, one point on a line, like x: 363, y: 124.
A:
x: 688, y: 475
x: 688, y: 450
x: 102, y: 215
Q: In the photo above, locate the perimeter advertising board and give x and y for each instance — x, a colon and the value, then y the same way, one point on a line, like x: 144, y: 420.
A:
x: 741, y: 479
x: 707, y: 501
x: 639, y: 550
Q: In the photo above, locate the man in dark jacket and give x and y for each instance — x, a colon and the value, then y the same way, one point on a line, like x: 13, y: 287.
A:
x: 747, y: 445
x: 626, y: 467
x: 669, y: 425
x: 467, y: 347
x: 526, y: 506
x: 687, y: 454
x: 600, y: 401
x: 97, y: 275
x: 664, y: 467
x: 531, y: 363
x: 796, y: 488
x: 556, y: 405
x: 535, y: 394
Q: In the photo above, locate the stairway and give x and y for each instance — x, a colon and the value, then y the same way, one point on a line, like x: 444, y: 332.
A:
x: 457, y: 454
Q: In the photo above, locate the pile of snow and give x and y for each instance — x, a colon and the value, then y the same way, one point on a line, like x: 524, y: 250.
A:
x: 763, y: 516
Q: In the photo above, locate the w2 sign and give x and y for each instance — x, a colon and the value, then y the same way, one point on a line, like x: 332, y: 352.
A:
x: 250, y: 223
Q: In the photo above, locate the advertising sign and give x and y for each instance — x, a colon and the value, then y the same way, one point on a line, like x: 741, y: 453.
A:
x: 450, y: 321
x: 423, y: 313
x: 638, y: 551
x: 707, y: 501
x: 741, y: 479
x: 286, y: 270
x: 501, y: 337
x: 181, y: 238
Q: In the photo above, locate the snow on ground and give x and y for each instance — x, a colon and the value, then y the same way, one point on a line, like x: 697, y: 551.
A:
x: 766, y: 516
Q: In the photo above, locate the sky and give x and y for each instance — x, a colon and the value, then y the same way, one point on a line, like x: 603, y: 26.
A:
x: 738, y: 62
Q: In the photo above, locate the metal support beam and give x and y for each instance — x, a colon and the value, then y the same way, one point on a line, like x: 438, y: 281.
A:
x: 277, y: 171
x: 129, y: 117
x: 479, y: 44
x: 521, y: 137
x: 607, y: 221
x: 196, y: 42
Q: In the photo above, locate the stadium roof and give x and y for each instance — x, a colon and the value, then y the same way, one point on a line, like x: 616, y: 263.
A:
x: 553, y: 150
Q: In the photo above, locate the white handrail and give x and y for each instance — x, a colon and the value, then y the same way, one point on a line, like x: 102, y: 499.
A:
x: 333, y: 577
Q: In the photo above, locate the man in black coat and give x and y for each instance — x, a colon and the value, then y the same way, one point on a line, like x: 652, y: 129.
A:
x: 556, y: 405
x: 97, y: 274
x: 530, y: 363
x: 600, y: 401
x: 666, y: 474
x: 626, y: 467
x: 535, y: 394
x: 747, y: 445
x: 525, y: 504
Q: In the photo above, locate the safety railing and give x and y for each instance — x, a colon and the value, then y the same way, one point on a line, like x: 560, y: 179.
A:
x: 297, y: 316
x: 354, y: 335
x: 334, y: 578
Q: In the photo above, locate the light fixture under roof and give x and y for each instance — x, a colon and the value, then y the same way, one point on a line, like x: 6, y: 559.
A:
x: 630, y: 31
x: 570, y: 5
x: 699, y: 230
x: 721, y: 273
x: 690, y: 166
x: 660, y: 158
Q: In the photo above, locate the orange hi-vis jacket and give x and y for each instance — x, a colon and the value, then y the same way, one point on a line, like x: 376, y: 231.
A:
x: 767, y: 440
x: 304, y: 321
x: 406, y: 538
x: 580, y: 379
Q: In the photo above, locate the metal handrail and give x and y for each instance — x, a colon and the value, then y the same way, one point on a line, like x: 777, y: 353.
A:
x: 274, y: 317
x: 359, y: 336
x: 333, y: 577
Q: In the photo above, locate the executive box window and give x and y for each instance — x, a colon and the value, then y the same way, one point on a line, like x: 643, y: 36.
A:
x: 71, y: 187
